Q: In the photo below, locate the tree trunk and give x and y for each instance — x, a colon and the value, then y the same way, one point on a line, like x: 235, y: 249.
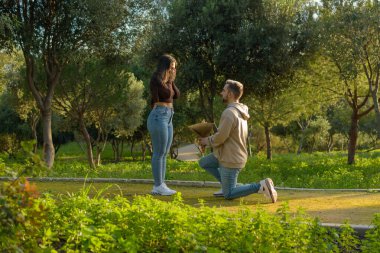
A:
x: 114, y: 149
x: 145, y: 145
x: 87, y: 139
x: 249, y: 149
x: 330, y: 143
x: 102, y: 138
x: 268, y: 141
x: 117, y: 147
x: 132, y: 148
x: 48, y: 147
x: 121, y: 150
x: 44, y: 105
x: 377, y: 112
x: 300, y: 145
x: 374, y: 89
x: 98, y: 157
x: 353, y: 134
x: 34, y: 133
x: 143, y: 150
x: 303, y: 126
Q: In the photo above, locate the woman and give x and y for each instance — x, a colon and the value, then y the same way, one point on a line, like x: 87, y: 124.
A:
x: 160, y: 120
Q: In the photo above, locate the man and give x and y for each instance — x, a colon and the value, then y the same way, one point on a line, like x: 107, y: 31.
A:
x: 230, y: 148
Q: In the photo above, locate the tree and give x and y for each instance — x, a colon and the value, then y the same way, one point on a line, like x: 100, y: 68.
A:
x: 100, y: 94
x: 120, y: 112
x: 193, y: 32
x: 261, y: 43
x: 26, y: 108
x: 274, y: 41
x: 355, y: 27
x: 49, y: 32
x: 286, y: 106
x: 12, y: 78
x: 338, y: 31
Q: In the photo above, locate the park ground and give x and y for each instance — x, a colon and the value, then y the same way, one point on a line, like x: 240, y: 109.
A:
x: 328, y: 206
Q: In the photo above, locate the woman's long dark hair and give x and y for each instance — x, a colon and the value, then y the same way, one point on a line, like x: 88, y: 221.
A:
x: 162, y: 67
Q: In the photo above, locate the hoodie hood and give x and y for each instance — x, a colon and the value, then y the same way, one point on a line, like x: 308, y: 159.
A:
x: 242, y: 108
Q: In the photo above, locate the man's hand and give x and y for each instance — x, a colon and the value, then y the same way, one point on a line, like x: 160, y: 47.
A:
x: 204, y: 141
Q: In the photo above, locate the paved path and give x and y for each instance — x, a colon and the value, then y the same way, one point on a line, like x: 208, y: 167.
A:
x: 188, y: 153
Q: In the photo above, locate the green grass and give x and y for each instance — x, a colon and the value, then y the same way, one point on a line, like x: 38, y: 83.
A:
x: 316, y: 170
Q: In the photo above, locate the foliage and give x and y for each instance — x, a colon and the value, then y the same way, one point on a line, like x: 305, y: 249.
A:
x: 100, y: 94
x: 79, y: 223
x: 315, y: 170
x: 22, y: 216
x: 373, y: 236
x: 22, y: 213
x: 9, y: 144
x: 11, y: 123
x: 351, y: 33
x: 261, y: 44
x: 32, y: 223
x: 50, y: 33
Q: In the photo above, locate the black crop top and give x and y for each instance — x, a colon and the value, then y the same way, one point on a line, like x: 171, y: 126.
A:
x: 161, y: 92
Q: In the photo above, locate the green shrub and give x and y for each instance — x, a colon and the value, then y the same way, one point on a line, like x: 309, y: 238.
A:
x: 372, y: 242
x: 22, y: 216
x: 10, y: 144
x: 78, y: 223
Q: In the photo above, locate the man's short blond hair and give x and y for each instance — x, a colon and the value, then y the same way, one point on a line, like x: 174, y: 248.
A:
x: 235, y: 87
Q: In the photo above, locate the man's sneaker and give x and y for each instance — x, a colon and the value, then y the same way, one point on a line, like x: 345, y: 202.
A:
x: 219, y: 193
x: 268, y: 190
x: 162, y: 190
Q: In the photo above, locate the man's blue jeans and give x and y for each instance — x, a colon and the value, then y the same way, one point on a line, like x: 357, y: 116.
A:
x: 228, y: 178
x: 160, y: 127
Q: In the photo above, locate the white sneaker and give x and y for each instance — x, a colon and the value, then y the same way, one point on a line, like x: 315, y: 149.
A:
x: 167, y: 188
x: 162, y: 190
x: 268, y: 190
x: 219, y: 193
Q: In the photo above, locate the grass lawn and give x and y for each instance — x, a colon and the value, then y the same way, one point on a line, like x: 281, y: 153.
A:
x: 330, y: 207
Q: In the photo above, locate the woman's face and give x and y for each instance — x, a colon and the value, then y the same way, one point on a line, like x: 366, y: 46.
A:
x: 172, y: 71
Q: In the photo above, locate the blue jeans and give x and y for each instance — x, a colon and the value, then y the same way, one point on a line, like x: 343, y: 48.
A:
x: 160, y: 127
x: 228, y: 178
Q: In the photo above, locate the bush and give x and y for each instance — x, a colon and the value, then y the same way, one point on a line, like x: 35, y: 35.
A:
x: 372, y: 244
x: 9, y: 144
x: 77, y: 223
x: 22, y: 216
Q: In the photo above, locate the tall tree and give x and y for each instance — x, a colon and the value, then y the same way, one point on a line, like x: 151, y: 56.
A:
x: 120, y: 112
x: 261, y: 43
x: 271, y: 46
x: 12, y: 78
x: 193, y: 32
x: 49, y: 32
x: 346, y: 46
x: 354, y: 26
x: 100, y: 94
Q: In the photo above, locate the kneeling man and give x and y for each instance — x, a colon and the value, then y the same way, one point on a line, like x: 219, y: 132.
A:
x: 229, y: 145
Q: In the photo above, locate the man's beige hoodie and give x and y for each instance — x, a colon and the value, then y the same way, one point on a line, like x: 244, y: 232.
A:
x: 230, y: 141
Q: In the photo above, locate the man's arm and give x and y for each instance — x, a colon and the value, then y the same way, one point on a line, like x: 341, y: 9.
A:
x: 224, y: 130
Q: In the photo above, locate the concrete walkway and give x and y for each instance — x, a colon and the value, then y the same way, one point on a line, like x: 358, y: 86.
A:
x: 188, y: 153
